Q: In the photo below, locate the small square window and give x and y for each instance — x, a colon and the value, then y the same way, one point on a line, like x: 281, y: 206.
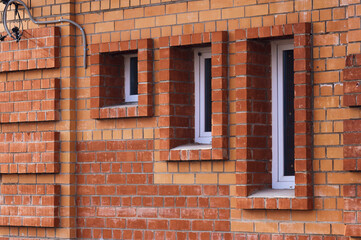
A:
x: 121, y: 81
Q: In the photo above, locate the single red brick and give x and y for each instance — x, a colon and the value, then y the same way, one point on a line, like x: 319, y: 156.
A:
x: 180, y: 225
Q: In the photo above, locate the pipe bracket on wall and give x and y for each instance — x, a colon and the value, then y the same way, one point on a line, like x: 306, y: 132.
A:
x: 18, y: 35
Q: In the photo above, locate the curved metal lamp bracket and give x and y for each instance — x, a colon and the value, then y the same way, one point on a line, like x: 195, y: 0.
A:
x: 43, y: 22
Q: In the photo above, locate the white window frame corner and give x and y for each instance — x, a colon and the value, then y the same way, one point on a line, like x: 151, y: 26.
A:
x: 200, y: 135
x: 128, y: 98
x: 279, y: 181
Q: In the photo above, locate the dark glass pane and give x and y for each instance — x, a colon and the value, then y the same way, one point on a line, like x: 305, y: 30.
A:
x: 288, y: 110
x: 133, y: 76
x: 208, y: 94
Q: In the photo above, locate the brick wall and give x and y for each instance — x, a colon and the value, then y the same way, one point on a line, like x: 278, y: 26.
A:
x: 96, y: 168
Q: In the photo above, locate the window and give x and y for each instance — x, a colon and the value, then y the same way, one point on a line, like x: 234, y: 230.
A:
x: 283, y: 172
x: 203, y: 95
x: 184, y: 98
x: 122, y: 83
x: 131, y: 78
x: 265, y: 140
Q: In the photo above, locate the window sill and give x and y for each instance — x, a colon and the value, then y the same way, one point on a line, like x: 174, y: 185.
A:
x: 126, y: 110
x: 274, y: 193
x: 196, y: 152
x: 273, y: 199
x: 193, y: 146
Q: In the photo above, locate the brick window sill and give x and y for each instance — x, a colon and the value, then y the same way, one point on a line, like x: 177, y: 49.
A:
x: 127, y: 110
x: 273, y: 199
x: 195, y: 152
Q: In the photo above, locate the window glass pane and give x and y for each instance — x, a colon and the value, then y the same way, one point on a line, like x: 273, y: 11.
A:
x: 133, y: 76
x: 208, y: 95
x: 288, y: 116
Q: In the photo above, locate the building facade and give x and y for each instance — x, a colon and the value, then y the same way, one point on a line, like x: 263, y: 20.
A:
x: 193, y: 119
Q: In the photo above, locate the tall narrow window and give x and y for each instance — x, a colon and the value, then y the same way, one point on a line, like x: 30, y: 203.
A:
x: 283, y: 172
x: 203, y: 95
x: 131, y: 78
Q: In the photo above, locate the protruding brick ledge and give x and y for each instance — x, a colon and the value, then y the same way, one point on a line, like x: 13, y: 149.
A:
x: 29, y: 152
x: 351, y: 149
x: 352, y: 81
x: 29, y: 205
x: 352, y: 208
x: 37, y: 49
x: 29, y: 100
x: 352, y: 127
x: 353, y: 230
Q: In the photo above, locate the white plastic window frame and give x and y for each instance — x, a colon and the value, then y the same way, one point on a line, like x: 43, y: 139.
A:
x: 279, y: 181
x: 201, y: 136
x: 128, y: 98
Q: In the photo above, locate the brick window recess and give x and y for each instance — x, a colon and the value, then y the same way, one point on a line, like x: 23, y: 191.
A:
x: 37, y: 49
x: 29, y: 100
x: 29, y: 152
x: 30, y: 205
x: 177, y: 102
x: 254, y: 150
x: 107, y: 79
